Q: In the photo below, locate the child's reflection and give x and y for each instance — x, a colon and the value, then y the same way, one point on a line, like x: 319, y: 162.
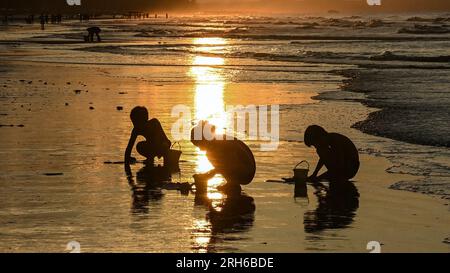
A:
x: 337, y: 206
x: 147, y: 187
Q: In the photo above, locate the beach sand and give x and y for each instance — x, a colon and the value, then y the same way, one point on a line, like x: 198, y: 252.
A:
x: 91, y: 202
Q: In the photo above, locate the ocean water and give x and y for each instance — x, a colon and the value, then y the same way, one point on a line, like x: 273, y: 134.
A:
x: 403, y: 63
x: 351, y: 65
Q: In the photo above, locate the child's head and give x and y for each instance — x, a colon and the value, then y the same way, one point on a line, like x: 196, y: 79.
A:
x: 202, y: 134
x: 315, y: 136
x: 139, y: 116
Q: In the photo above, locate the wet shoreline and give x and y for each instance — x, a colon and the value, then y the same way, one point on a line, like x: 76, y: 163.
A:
x: 360, y: 81
x: 359, y: 87
x: 94, y: 203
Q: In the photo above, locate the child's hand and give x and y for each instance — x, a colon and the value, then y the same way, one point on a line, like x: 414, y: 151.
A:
x: 199, y: 177
x: 131, y: 160
x: 313, y: 179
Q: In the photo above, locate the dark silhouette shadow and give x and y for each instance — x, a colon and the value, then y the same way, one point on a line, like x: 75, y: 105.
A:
x: 337, y: 206
x: 300, y: 190
x: 149, y: 183
x: 235, y: 213
x: 156, y: 143
x: 147, y: 187
x: 227, y: 218
x: 229, y: 156
x: 336, y: 152
x: 91, y: 32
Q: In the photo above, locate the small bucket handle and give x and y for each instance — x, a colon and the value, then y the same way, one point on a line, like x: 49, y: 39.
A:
x: 304, y: 161
x: 179, y: 145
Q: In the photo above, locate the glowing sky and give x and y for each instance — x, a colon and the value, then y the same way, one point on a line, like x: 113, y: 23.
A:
x: 266, y: 6
x: 325, y: 5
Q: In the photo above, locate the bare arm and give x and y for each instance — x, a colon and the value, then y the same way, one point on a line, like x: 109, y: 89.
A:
x: 316, y: 171
x: 133, y: 137
x: 205, y: 176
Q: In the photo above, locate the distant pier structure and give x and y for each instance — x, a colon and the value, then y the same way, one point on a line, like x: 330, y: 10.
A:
x: 137, y: 15
x: 142, y: 15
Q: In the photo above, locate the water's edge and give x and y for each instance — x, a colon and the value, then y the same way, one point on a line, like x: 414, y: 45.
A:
x: 348, y: 94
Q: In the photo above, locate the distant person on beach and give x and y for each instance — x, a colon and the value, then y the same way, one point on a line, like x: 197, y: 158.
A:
x: 156, y: 143
x: 42, y: 19
x: 336, y: 152
x: 229, y: 156
x: 91, y: 32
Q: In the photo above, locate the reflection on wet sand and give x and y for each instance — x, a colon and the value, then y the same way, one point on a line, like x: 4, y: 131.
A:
x: 225, y: 214
x: 218, y: 217
x: 336, y: 208
x: 228, y: 215
x: 209, y: 102
x: 150, y: 181
x: 147, y: 187
x: 209, y: 92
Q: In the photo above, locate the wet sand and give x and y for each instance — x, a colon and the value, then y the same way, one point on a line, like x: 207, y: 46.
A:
x: 55, y: 187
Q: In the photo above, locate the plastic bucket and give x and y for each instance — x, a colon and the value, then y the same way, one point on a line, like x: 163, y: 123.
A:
x: 174, y: 155
x: 301, y: 174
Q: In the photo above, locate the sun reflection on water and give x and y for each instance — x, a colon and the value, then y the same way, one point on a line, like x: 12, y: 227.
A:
x: 201, y: 235
x: 209, y: 105
x: 209, y: 97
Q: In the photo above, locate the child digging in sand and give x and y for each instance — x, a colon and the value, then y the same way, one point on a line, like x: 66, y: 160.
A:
x: 156, y: 143
x: 229, y: 156
x: 336, y: 152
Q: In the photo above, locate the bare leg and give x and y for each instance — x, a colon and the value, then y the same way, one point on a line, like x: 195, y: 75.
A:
x: 231, y: 188
x: 150, y: 151
x: 144, y: 149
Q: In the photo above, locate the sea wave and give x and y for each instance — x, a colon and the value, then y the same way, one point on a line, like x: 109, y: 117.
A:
x: 298, y: 56
x: 425, y: 29
x: 434, y: 20
x: 345, y: 23
x: 413, y: 111
x: 390, y: 56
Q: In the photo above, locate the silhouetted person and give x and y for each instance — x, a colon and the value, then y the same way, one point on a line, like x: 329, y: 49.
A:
x: 156, y: 143
x: 336, y: 208
x: 229, y: 156
x: 93, y: 31
x: 42, y: 19
x: 336, y: 152
x: 29, y: 19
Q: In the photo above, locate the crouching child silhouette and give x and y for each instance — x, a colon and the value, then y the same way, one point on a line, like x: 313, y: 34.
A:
x: 156, y: 143
x: 229, y: 156
x: 91, y: 32
x: 336, y: 152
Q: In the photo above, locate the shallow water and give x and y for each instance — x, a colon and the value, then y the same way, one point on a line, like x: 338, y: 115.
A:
x: 95, y: 204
